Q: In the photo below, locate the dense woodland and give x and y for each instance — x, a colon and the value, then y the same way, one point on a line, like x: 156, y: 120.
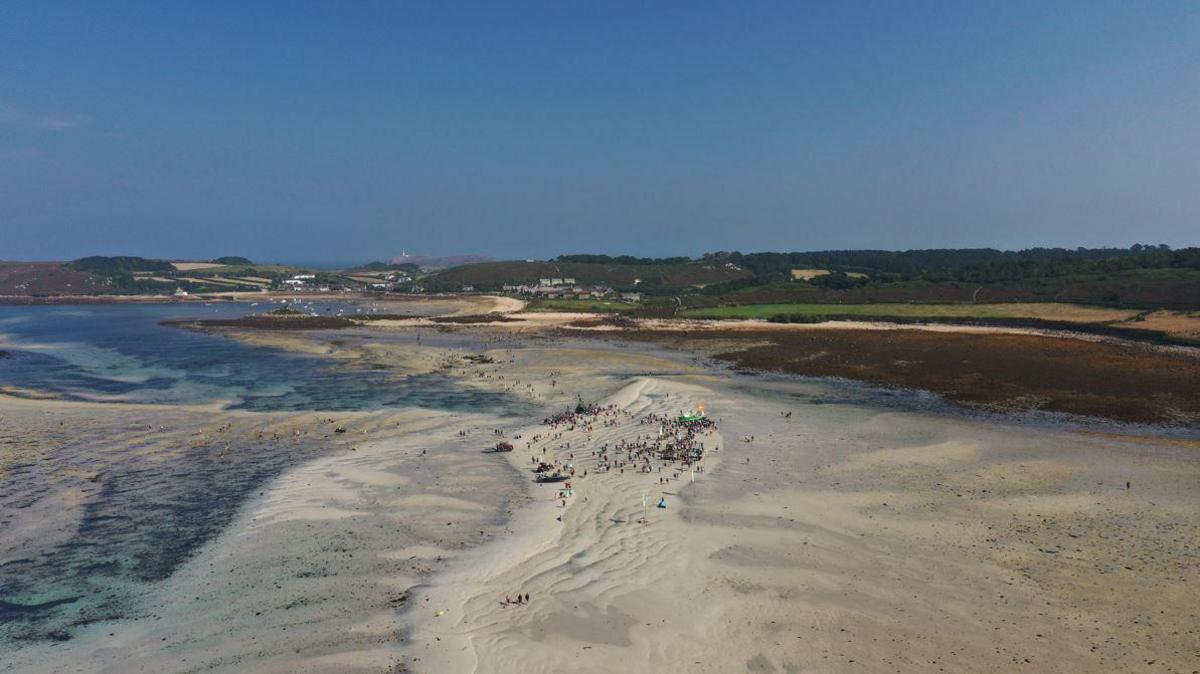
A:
x: 121, y: 265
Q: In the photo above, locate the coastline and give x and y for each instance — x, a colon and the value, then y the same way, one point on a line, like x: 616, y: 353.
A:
x: 847, y: 536
x: 999, y: 368
x: 979, y: 513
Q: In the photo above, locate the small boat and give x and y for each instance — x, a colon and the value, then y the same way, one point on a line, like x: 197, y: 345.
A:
x: 556, y: 477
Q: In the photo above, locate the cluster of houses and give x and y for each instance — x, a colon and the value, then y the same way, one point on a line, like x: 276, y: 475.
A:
x: 308, y: 282
x: 304, y: 282
x: 390, y: 281
x: 382, y: 282
x: 556, y: 288
x: 566, y: 288
x: 300, y: 281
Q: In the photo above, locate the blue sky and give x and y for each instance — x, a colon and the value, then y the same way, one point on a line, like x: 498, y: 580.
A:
x: 353, y: 131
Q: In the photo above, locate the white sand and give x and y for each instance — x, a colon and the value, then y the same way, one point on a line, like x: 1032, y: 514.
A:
x: 854, y: 540
x: 858, y: 537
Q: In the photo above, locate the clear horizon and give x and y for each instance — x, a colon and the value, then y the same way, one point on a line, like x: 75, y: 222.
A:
x: 346, y: 263
x: 307, y: 132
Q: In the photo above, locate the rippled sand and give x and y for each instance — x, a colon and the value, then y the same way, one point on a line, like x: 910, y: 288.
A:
x: 864, y: 532
x: 847, y: 537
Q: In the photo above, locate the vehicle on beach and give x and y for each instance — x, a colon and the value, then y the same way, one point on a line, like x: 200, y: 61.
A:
x: 503, y: 447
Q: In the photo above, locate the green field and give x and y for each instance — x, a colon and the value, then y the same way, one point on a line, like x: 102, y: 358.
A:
x: 584, y: 306
x: 1046, y: 311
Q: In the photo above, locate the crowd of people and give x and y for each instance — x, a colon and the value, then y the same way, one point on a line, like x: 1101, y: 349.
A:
x: 667, y: 446
x: 674, y: 439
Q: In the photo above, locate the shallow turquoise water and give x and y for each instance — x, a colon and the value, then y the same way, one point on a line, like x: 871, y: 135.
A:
x: 122, y: 353
x: 140, y: 519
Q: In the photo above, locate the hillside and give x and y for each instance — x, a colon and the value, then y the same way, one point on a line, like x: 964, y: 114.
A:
x: 46, y: 278
x: 118, y: 265
x: 1175, y: 288
x: 944, y: 262
x: 378, y: 267
x: 647, y: 277
x: 130, y: 275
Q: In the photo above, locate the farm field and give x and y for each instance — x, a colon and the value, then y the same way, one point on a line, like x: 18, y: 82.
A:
x: 1051, y: 311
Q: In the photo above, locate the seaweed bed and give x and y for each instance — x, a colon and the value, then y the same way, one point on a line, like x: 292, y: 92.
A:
x: 1122, y: 382
x: 476, y: 318
x: 269, y: 322
x: 286, y: 321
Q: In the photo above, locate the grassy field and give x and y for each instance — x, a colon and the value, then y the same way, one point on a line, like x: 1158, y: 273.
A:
x: 194, y: 266
x: 586, y: 306
x: 1040, y: 310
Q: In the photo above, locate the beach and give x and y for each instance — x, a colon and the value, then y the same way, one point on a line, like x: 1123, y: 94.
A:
x: 832, y: 527
x: 841, y: 538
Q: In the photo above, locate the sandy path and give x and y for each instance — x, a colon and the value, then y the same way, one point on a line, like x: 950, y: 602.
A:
x: 489, y: 304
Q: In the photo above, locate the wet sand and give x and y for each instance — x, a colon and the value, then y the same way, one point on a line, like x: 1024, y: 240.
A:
x: 866, y: 531
x: 315, y: 566
x: 843, y: 538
